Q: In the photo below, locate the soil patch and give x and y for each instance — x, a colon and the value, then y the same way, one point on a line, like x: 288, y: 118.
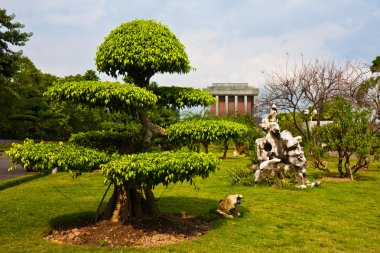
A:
x: 336, y: 179
x: 168, y: 229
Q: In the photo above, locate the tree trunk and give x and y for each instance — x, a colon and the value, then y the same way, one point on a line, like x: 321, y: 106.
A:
x: 122, y: 211
x: 340, y: 165
x: 225, y: 150
x: 362, y: 163
x: 136, y: 202
x: 347, y: 166
x: 118, y: 207
x: 205, y: 145
x: 127, y: 202
x: 320, y: 165
x: 151, y: 204
x: 150, y: 128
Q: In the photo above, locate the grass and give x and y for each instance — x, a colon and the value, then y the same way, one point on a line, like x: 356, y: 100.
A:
x: 19, y: 180
x: 335, y: 217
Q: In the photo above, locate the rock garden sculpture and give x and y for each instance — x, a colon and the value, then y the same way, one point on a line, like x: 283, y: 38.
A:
x: 279, y: 147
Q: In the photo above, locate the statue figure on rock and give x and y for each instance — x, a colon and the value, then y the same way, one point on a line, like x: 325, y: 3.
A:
x: 279, y: 147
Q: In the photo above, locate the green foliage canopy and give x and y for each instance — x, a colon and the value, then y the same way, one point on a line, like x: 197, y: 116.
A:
x: 205, y: 131
x: 106, y: 94
x: 10, y: 34
x: 141, y: 48
x: 105, y: 140
x: 180, y: 97
x: 349, y: 133
x: 151, y: 169
x: 46, y: 156
x: 375, y: 67
x: 350, y: 130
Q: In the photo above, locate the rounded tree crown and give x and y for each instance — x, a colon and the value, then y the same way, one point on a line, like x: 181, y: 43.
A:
x: 141, y: 48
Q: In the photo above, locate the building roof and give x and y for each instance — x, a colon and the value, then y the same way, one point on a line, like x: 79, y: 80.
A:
x: 232, y: 89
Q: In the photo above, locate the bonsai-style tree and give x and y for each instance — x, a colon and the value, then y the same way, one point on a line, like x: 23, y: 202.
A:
x: 135, y: 50
x: 140, y: 49
x: 205, y: 132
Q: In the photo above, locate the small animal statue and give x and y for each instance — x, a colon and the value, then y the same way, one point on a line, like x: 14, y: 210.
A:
x: 227, y: 206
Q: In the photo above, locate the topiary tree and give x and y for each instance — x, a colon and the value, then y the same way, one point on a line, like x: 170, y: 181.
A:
x: 137, y: 50
x: 204, y: 132
x: 140, y: 49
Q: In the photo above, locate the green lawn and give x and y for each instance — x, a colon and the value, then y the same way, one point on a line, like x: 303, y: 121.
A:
x: 335, y: 217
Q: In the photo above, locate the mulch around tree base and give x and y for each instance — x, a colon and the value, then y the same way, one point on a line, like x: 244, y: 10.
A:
x: 168, y: 229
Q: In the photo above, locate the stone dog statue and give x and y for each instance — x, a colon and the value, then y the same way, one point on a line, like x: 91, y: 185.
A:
x: 227, y: 206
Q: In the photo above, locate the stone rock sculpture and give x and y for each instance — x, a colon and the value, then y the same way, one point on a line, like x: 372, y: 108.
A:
x: 279, y: 147
x: 227, y: 206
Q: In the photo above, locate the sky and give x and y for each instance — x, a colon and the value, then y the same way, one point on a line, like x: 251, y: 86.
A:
x: 226, y: 41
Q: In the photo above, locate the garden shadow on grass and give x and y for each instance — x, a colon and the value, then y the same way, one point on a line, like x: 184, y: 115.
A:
x: 72, y: 220
x: 203, y: 208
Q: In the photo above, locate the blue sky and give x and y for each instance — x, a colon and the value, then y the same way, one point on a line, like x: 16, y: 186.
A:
x: 227, y: 41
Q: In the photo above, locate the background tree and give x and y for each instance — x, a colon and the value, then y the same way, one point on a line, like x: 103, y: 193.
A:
x: 246, y: 143
x: 348, y: 134
x: 369, y: 93
x: 89, y: 75
x: 22, y: 103
x: 368, y: 96
x: 27, y: 114
x: 11, y: 37
x: 10, y: 34
x: 373, y: 100
x: 308, y: 86
x: 375, y: 67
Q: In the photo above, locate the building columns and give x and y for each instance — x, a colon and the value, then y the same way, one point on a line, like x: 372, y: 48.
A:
x: 236, y: 105
x: 245, y: 104
x: 226, y: 104
x: 217, y: 105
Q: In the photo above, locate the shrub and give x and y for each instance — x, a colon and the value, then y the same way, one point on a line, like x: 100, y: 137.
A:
x: 47, y: 156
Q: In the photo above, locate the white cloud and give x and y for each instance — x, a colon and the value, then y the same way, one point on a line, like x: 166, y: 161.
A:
x: 82, y: 13
x: 227, y: 41
x: 244, y: 60
x: 376, y: 13
x: 85, y: 14
x: 60, y: 55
